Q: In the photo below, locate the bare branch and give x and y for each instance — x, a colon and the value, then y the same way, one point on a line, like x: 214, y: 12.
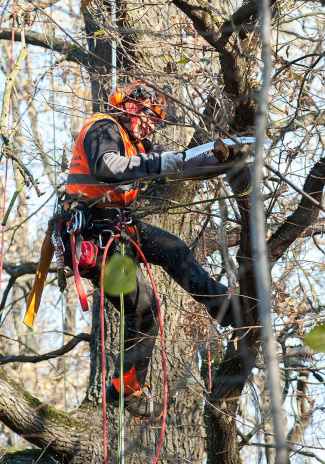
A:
x: 44, y: 357
x: 305, y: 214
x: 290, y: 63
x: 70, y: 50
x: 297, y: 189
x: 29, y: 8
x: 15, y: 272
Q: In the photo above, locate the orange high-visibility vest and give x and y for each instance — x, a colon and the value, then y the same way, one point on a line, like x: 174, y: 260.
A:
x: 82, y: 185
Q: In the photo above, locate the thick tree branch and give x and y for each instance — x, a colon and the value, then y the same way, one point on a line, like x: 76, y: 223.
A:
x: 30, y: 456
x: 18, y: 271
x: 305, y: 214
x: 224, y: 39
x: 69, y: 434
x: 233, y: 237
x: 23, y: 269
x: 52, y: 354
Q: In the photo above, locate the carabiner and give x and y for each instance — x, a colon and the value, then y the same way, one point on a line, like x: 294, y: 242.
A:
x: 100, y: 238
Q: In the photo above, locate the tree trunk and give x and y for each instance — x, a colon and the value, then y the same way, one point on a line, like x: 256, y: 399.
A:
x: 181, y: 441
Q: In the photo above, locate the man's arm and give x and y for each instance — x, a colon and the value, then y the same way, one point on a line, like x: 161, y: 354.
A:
x: 107, y: 159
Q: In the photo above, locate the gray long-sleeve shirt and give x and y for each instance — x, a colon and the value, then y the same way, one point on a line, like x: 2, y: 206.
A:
x: 105, y: 150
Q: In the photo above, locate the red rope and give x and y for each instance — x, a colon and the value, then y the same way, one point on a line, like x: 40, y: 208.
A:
x: 6, y: 167
x: 102, y: 315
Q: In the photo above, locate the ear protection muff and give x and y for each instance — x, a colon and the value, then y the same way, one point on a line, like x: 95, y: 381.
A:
x: 141, y: 92
x: 116, y: 97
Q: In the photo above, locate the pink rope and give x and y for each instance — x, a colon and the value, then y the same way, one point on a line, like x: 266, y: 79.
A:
x: 103, y: 345
x: 162, y: 348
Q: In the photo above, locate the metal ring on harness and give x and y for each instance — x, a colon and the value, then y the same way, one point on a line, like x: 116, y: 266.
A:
x: 100, y: 238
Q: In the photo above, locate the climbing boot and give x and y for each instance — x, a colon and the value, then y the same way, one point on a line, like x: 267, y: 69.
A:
x: 138, y: 404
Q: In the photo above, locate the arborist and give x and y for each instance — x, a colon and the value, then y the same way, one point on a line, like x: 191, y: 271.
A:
x: 111, y: 156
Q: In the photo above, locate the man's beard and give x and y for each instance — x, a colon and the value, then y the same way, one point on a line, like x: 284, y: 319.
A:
x: 125, y: 121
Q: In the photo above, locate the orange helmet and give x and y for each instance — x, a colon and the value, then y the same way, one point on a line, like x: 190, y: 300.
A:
x: 143, y: 93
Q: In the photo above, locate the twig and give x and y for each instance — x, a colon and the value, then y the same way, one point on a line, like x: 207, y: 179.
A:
x: 304, y: 453
x: 290, y: 63
x: 297, y: 189
x: 195, y: 242
x: 15, y: 195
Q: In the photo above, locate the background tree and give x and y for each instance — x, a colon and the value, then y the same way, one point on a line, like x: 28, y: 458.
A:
x: 211, y: 54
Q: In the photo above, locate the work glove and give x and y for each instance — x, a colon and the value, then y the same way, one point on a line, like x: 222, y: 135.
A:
x: 203, y: 161
x: 170, y: 161
x: 201, y: 167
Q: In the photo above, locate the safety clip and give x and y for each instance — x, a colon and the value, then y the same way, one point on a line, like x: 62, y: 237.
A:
x: 100, y: 238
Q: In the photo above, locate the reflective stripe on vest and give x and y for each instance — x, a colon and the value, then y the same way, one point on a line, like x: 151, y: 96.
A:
x: 82, y: 185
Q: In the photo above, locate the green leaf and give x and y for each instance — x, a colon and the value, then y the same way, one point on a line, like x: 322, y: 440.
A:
x: 205, y: 61
x: 167, y: 57
x: 184, y: 61
x: 315, y: 339
x: 120, y: 275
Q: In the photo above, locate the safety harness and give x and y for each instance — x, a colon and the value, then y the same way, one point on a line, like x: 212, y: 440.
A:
x: 77, y: 220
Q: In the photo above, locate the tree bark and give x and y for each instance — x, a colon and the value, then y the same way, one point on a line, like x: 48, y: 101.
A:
x: 69, y: 435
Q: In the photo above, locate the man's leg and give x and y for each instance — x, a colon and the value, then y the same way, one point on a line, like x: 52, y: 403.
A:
x: 140, y: 332
x: 174, y: 256
x: 140, y: 328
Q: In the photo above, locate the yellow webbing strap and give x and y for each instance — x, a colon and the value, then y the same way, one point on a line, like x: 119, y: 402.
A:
x: 34, y: 299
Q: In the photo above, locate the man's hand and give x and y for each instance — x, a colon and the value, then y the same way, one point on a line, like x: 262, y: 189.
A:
x: 170, y: 161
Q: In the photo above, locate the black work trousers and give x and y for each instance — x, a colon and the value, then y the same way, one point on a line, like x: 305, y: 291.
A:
x: 141, y: 323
